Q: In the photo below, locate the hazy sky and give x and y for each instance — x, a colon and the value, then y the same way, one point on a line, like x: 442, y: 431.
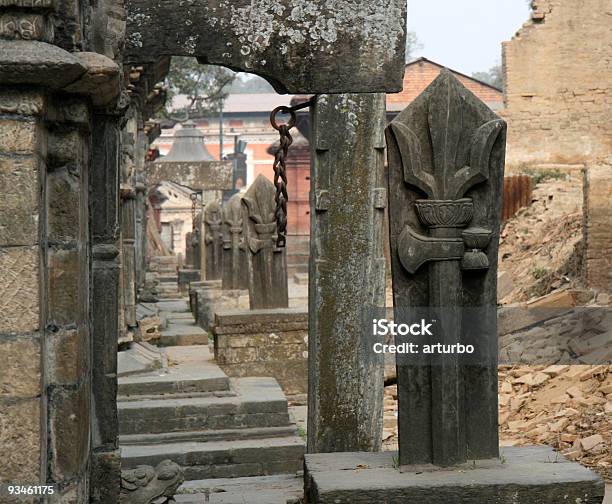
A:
x: 465, y: 35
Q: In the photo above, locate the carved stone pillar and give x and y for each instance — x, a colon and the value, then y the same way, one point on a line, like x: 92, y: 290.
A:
x: 446, y: 164
x: 212, y: 245
x: 347, y: 273
x: 104, y: 223
x: 235, y: 271
x: 267, y: 264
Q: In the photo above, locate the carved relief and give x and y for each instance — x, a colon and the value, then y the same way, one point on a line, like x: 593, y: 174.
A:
x: 446, y: 155
x: 109, y: 25
x: 213, y: 240
x: 14, y: 102
x: 145, y: 484
x: 267, y: 264
x: 25, y: 27
x: 234, y: 254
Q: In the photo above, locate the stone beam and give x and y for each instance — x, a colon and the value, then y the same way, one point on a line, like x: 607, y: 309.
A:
x: 309, y: 46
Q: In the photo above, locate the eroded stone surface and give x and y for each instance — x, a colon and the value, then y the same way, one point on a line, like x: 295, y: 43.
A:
x: 271, y: 38
x: 20, y: 441
x: 19, y: 283
x: 20, y: 375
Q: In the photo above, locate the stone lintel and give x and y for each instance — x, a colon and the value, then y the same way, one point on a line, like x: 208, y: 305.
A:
x: 525, y: 475
x: 300, y: 47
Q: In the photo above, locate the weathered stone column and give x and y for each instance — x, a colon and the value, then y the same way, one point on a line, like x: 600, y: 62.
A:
x: 105, y: 307
x: 347, y: 272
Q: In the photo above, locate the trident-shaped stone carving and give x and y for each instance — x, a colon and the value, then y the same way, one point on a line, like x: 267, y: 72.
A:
x: 446, y: 155
x: 267, y: 264
x: 213, y: 240
x: 234, y: 255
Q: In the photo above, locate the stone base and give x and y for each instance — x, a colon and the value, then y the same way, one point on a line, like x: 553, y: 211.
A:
x: 264, y: 343
x: 186, y: 277
x: 526, y: 475
x: 210, y: 300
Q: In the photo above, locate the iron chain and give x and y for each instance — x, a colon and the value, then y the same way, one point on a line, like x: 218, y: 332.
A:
x: 280, y: 167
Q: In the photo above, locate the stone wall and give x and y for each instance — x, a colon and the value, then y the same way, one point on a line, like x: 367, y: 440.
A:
x: 558, y: 94
x: 264, y: 343
x: 21, y: 338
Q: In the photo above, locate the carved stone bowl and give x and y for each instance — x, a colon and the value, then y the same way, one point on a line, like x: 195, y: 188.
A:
x: 445, y: 213
x: 476, y: 238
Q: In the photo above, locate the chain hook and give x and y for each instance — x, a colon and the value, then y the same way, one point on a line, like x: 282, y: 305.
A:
x: 280, y: 167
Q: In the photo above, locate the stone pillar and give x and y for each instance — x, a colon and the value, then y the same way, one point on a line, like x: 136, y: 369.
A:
x: 266, y: 263
x: 448, y: 146
x: 105, y: 307
x: 22, y: 338
x: 347, y: 272
x: 212, y: 245
x: 235, y: 271
x: 66, y: 314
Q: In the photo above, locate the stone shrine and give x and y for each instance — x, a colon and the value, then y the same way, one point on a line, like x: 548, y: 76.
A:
x: 446, y: 164
x: 213, y: 240
x: 267, y: 264
x: 234, y: 252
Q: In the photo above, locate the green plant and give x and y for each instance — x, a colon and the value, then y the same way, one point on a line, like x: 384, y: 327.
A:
x: 301, y: 432
x: 540, y: 175
x: 538, y: 272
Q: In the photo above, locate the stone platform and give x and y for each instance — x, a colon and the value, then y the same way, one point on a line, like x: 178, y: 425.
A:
x: 270, y: 342
x: 525, y: 475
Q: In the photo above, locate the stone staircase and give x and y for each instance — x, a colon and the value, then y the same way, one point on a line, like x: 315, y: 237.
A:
x: 166, y: 269
x: 213, y: 426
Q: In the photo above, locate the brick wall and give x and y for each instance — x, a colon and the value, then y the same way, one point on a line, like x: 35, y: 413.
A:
x: 558, y: 93
x: 558, y: 100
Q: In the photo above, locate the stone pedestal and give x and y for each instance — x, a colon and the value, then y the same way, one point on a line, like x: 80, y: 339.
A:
x: 523, y: 475
x: 186, y: 277
x: 264, y: 343
x: 207, y: 298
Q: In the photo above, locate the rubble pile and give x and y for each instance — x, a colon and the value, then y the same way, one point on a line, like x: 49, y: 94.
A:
x: 566, y: 407
x: 541, y: 247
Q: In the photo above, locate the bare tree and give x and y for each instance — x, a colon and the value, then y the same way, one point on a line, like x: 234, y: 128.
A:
x: 202, y: 87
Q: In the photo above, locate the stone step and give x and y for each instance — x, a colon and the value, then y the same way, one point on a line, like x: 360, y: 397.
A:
x: 179, y: 334
x: 185, y: 378
x: 168, y: 279
x: 222, y: 459
x: 277, y: 489
x: 259, y: 403
x: 173, y: 305
x: 208, y: 435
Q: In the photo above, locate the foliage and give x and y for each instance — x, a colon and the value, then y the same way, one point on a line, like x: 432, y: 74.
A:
x: 494, y: 77
x: 203, y: 87
x: 413, y: 45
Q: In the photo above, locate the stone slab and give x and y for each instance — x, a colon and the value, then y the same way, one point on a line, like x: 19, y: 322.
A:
x: 276, y: 489
x: 269, y: 316
x: 139, y: 358
x: 183, y: 334
x: 173, y: 305
x: 191, y: 377
x: 250, y: 457
x: 526, y: 475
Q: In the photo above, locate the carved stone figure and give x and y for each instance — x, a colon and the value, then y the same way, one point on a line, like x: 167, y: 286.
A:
x: 446, y: 163
x: 145, y: 484
x: 234, y: 254
x: 213, y: 240
x: 267, y: 264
